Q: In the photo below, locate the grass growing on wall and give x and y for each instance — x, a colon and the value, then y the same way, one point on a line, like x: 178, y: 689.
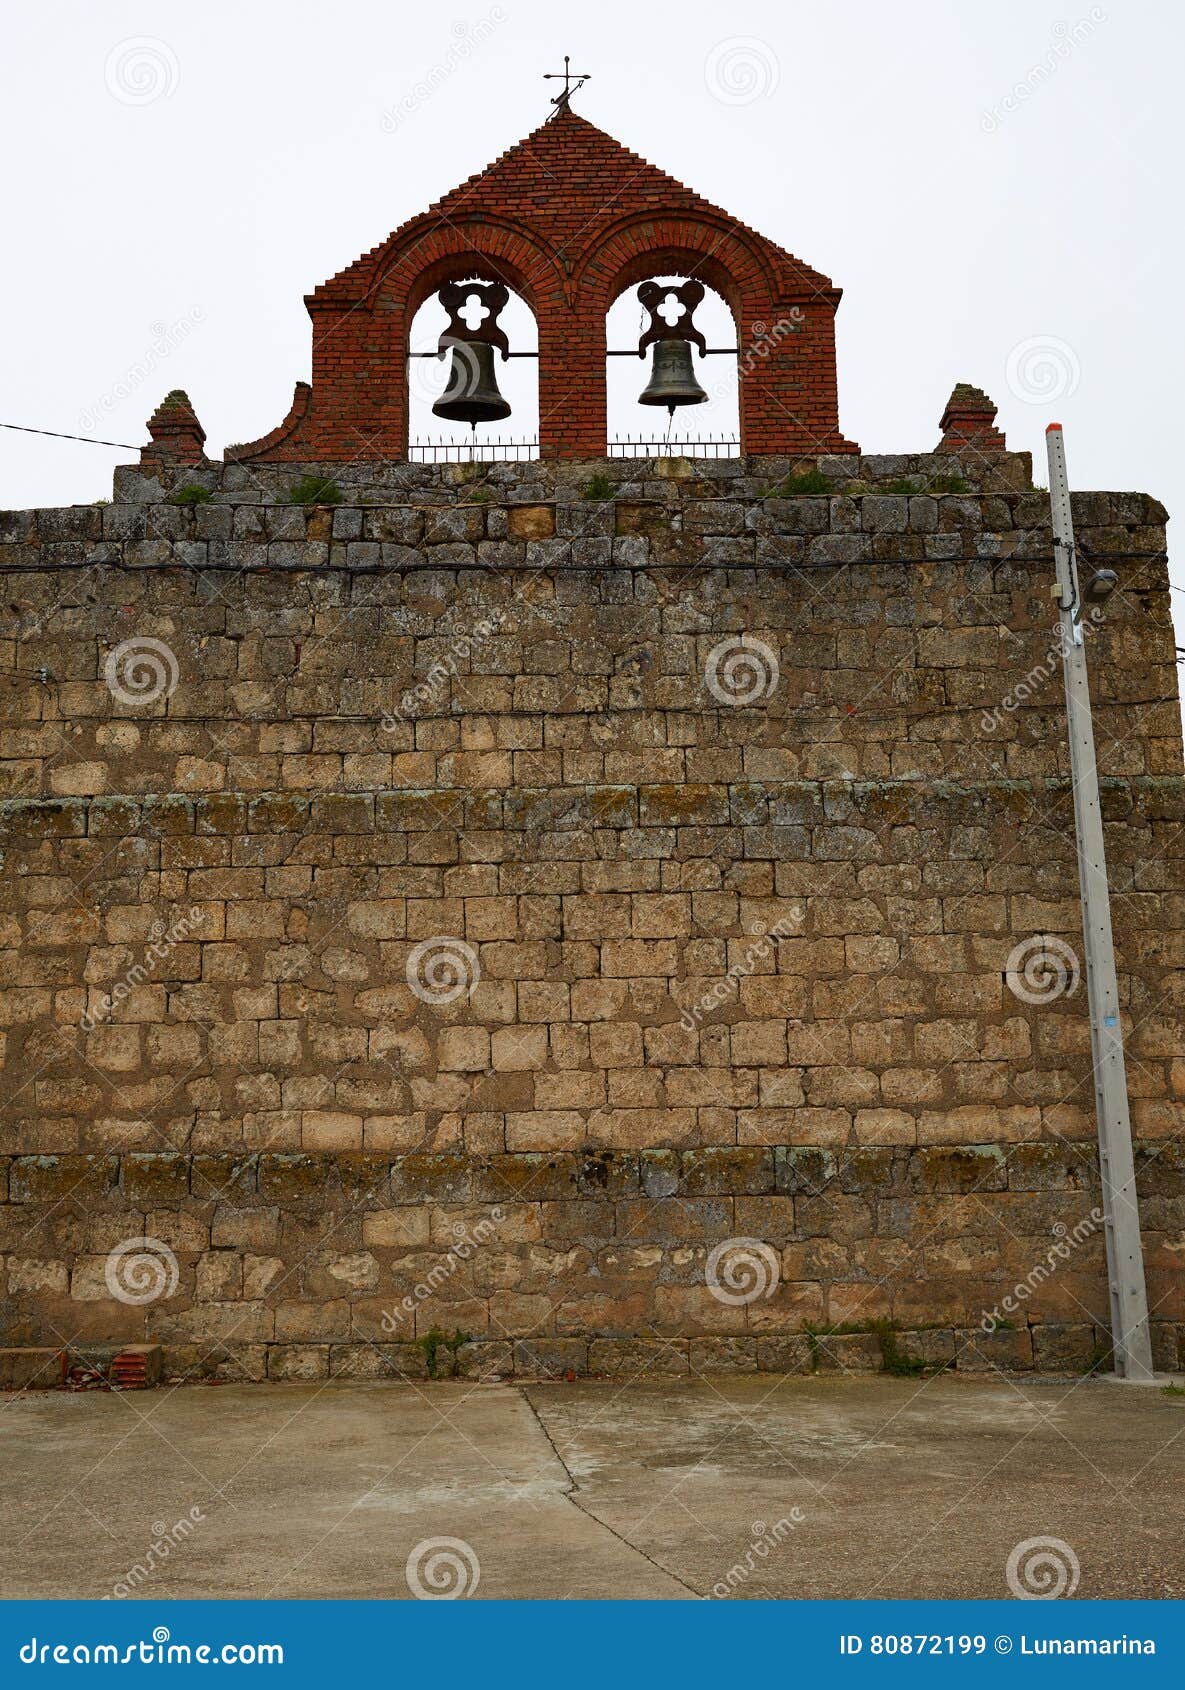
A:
x: 315, y: 490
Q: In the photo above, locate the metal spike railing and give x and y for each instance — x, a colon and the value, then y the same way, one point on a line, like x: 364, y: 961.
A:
x: 486, y: 449
x: 496, y: 449
x: 712, y: 446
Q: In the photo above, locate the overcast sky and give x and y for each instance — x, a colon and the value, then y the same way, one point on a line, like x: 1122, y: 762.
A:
x: 995, y: 188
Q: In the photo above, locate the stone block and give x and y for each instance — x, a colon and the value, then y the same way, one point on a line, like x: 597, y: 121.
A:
x: 720, y: 1357
x: 848, y: 1352
x: 789, y: 1354
x: 298, y: 1363
x: 550, y: 1358
x: 1005, y: 1349
x: 1070, y: 1347
x: 638, y: 1358
x: 30, y: 1369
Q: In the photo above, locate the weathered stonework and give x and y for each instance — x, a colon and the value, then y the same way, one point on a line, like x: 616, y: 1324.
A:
x: 472, y: 704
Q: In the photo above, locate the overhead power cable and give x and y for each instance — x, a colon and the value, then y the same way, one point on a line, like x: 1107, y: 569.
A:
x: 55, y: 434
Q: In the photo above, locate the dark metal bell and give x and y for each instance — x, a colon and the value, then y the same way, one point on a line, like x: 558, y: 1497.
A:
x: 672, y: 378
x: 472, y: 394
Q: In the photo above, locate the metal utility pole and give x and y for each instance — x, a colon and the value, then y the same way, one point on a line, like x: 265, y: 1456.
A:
x: 1121, y: 1219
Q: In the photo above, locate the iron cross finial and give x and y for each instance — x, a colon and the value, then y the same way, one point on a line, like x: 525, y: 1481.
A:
x: 573, y: 79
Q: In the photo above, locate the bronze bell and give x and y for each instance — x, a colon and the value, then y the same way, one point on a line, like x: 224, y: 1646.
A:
x: 672, y: 378
x: 472, y: 394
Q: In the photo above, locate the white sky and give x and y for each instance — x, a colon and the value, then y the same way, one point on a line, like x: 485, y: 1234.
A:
x: 996, y: 189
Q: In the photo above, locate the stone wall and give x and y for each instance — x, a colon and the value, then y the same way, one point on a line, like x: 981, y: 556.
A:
x: 416, y: 933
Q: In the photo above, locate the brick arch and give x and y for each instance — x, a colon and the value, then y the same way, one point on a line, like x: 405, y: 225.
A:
x: 429, y: 253
x: 358, y: 404
x: 715, y: 249
x: 568, y: 218
x: 786, y: 375
x: 495, y: 250
x: 413, y: 293
x: 671, y: 261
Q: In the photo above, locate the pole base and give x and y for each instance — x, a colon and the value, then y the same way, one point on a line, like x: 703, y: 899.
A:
x: 1157, y: 1381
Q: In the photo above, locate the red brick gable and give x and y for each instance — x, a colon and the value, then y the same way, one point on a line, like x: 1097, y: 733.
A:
x: 580, y: 181
x: 568, y: 218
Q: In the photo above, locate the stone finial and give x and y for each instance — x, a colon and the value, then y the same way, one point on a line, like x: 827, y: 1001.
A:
x: 175, y: 432
x: 969, y: 421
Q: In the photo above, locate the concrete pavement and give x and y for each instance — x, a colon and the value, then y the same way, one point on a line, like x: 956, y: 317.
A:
x: 751, y: 1488
x: 906, y: 1487
x: 301, y: 1491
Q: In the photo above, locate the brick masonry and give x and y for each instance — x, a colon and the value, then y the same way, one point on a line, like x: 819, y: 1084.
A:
x: 472, y: 705
x: 568, y: 219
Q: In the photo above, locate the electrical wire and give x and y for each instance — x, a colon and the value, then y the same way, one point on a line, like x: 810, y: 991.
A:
x: 55, y: 434
x: 126, y: 445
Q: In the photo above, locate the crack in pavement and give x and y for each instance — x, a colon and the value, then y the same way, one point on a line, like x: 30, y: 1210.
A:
x: 571, y: 1490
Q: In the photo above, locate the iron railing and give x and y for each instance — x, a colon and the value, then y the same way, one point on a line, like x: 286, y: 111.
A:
x: 487, y: 449
x: 494, y: 449
x: 714, y: 446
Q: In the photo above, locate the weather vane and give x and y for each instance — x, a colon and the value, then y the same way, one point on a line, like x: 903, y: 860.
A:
x: 573, y: 79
